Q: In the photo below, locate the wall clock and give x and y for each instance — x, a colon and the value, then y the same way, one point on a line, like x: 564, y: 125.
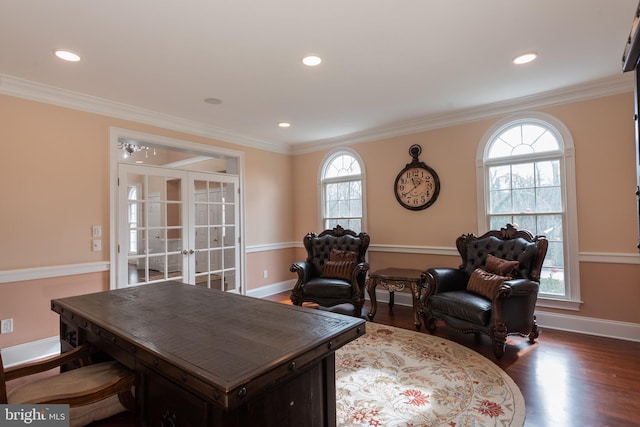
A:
x: 417, y: 185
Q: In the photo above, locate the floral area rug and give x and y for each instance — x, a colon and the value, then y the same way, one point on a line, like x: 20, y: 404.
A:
x: 395, y: 377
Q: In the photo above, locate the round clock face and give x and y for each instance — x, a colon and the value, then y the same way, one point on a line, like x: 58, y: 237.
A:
x: 417, y: 187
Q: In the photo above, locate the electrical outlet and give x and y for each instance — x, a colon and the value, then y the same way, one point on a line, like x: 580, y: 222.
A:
x: 96, y: 245
x: 7, y: 326
x: 265, y: 274
x: 96, y: 231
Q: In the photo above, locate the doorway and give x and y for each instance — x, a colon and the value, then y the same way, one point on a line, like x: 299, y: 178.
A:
x: 177, y: 213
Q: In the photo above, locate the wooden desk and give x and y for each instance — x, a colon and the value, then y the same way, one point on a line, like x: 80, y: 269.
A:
x: 395, y: 280
x: 209, y: 358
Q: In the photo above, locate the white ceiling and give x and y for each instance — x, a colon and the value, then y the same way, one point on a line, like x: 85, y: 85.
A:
x: 386, y: 63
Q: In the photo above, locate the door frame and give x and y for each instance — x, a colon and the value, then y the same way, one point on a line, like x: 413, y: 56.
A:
x: 115, y: 133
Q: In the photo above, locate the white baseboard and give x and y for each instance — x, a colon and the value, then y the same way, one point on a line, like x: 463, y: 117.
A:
x: 564, y: 322
x: 30, y: 351
x: 272, y: 289
x: 589, y: 326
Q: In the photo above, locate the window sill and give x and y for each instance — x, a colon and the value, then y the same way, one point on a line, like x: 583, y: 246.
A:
x: 561, y: 304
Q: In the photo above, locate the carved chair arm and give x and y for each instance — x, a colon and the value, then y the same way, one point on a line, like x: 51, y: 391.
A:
x: 305, y: 270
x: 518, y: 287
x: 358, y: 277
x: 514, y: 305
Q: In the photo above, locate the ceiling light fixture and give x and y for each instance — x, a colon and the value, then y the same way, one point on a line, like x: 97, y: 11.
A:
x: 66, y: 55
x: 213, y: 101
x: 311, y: 60
x: 525, y: 58
x: 284, y: 124
x: 130, y: 149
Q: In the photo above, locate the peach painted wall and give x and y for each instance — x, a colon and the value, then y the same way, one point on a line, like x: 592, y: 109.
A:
x: 55, y: 173
x: 54, y: 170
x: 604, y: 141
x: 448, y: 151
x: 269, y: 198
x: 602, y: 131
x: 275, y: 262
x: 29, y: 304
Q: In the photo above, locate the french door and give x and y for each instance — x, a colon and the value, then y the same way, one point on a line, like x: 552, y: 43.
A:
x: 177, y: 225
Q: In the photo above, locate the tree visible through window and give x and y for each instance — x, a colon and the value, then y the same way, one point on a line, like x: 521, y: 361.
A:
x: 342, y: 191
x: 524, y: 175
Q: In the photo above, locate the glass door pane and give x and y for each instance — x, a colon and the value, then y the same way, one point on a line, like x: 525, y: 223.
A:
x: 150, y: 249
x: 180, y: 226
x: 215, y: 213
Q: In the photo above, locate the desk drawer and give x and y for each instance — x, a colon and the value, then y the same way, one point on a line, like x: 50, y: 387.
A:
x: 163, y: 403
x: 298, y: 402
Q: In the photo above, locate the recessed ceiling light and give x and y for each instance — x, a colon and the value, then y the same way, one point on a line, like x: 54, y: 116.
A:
x: 214, y: 101
x: 525, y: 58
x: 311, y: 60
x: 284, y: 124
x: 66, y: 55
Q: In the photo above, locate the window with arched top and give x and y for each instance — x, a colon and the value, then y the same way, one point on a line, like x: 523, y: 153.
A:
x: 342, y: 190
x: 527, y: 168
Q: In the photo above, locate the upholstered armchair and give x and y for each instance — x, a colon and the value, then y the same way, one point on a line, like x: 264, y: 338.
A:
x: 493, y: 292
x: 334, y: 271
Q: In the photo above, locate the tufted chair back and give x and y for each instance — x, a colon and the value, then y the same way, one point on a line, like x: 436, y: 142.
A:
x: 330, y: 282
x: 475, y: 298
x: 503, y: 244
x: 319, y: 246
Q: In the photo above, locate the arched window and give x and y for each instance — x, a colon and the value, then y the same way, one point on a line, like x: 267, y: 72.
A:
x: 527, y: 168
x: 342, y: 190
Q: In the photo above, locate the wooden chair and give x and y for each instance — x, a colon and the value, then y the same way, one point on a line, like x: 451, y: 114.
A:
x: 93, y: 391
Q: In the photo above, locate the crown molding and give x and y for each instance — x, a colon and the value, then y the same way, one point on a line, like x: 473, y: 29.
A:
x: 77, y: 101
x: 51, y: 95
x: 621, y: 83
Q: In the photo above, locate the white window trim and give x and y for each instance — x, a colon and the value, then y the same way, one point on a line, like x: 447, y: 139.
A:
x: 363, y: 181
x: 572, y: 300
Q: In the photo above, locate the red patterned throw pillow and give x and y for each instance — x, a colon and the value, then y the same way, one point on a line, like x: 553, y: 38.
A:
x: 485, y: 283
x: 501, y: 266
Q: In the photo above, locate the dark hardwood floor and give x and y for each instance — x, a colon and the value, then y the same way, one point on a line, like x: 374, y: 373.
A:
x: 567, y: 379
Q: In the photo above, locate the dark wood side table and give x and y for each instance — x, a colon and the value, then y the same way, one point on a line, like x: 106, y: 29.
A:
x: 395, y: 280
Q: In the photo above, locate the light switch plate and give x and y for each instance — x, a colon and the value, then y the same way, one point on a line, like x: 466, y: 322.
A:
x: 96, y: 245
x: 7, y: 326
x: 96, y: 231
